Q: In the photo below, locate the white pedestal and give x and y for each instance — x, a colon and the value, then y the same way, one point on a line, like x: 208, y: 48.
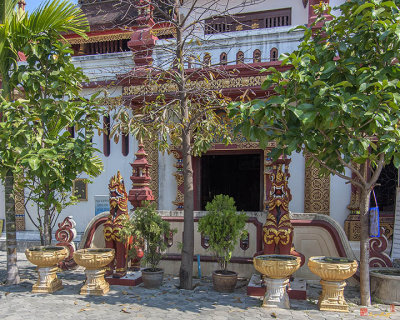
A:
x: 95, y: 283
x: 47, y: 281
x: 276, y: 295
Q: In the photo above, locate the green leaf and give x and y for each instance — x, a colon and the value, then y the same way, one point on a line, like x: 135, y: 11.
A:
x: 396, y: 160
x: 389, y: 4
x: 34, y: 163
x: 345, y: 84
x: 363, y: 7
x: 329, y: 67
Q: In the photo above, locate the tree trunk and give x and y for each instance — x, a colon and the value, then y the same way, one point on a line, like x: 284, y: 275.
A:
x: 11, y: 233
x: 364, y: 248
x: 47, y: 228
x: 186, y: 269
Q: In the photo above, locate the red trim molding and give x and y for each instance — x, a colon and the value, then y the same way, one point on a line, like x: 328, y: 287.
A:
x: 243, y: 260
x: 92, y: 230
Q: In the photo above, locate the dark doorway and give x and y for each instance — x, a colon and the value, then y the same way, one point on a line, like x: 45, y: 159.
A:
x: 235, y: 175
x: 385, y: 191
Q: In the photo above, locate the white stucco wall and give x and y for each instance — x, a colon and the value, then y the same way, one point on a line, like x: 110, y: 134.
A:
x: 206, y: 9
x: 336, y: 3
x: 104, y: 66
x: 167, y: 182
x: 246, y: 41
x: 296, y: 182
x: 340, y: 198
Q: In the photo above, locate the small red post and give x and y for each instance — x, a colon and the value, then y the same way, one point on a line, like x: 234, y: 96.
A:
x: 363, y: 311
x: 392, y: 308
x: 141, y: 179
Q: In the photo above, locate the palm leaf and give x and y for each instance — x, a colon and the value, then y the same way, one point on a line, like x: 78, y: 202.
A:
x: 58, y: 15
x: 17, y: 27
x: 6, y: 9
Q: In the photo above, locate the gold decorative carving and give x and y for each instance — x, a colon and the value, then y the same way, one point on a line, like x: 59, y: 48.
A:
x: 94, y: 262
x: 164, y: 31
x: 316, y: 191
x: 355, y: 197
x: 352, y: 226
x: 333, y: 273
x: 152, y: 158
x: 100, y: 38
x: 179, y: 200
x: 276, y: 266
x: 276, y: 270
x: 113, y: 101
x: 19, y: 209
x: 46, y: 260
x: 237, y: 82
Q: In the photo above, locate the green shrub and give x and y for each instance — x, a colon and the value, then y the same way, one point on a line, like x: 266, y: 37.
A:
x: 224, y: 227
x: 147, y: 228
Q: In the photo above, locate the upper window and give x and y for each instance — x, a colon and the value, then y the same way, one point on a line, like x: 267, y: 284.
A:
x: 256, y: 56
x: 101, y: 47
x: 207, y: 60
x: 248, y: 21
x: 273, y: 54
x: 191, y: 62
x: 240, y: 57
x: 223, y: 59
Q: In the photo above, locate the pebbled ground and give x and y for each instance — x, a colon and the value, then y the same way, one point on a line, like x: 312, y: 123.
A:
x: 17, y: 302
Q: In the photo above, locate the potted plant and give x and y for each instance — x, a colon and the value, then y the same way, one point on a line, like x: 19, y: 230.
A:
x: 147, y: 229
x: 224, y: 227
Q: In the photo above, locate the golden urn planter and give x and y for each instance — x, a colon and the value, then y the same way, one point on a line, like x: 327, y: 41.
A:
x: 94, y: 261
x: 276, y: 270
x: 333, y: 273
x: 46, y: 259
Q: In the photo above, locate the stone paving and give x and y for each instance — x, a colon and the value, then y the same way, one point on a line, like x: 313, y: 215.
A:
x: 17, y: 302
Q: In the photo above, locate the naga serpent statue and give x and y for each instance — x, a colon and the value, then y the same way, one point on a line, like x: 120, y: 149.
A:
x: 278, y: 230
x: 118, y: 212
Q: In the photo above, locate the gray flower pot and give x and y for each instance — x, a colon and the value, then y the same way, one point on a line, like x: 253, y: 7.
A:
x: 152, y: 279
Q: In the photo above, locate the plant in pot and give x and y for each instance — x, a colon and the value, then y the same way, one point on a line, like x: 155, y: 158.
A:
x: 224, y: 226
x: 147, y: 229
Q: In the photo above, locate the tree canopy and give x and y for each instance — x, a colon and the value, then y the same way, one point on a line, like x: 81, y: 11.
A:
x: 34, y: 142
x: 339, y: 101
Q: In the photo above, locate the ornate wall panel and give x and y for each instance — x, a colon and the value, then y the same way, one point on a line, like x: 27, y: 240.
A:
x: 352, y: 226
x: 234, y: 82
x: 20, y: 210
x: 101, y: 37
x: 316, y: 191
x: 179, y: 200
x: 152, y: 158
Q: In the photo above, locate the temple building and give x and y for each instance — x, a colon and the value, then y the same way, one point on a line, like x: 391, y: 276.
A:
x: 249, y: 39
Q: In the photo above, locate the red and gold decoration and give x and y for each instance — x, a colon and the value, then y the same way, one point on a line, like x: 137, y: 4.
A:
x: 278, y: 230
x: 179, y: 200
x: 140, y: 191
x: 65, y: 236
x: 316, y: 190
x: 118, y: 212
